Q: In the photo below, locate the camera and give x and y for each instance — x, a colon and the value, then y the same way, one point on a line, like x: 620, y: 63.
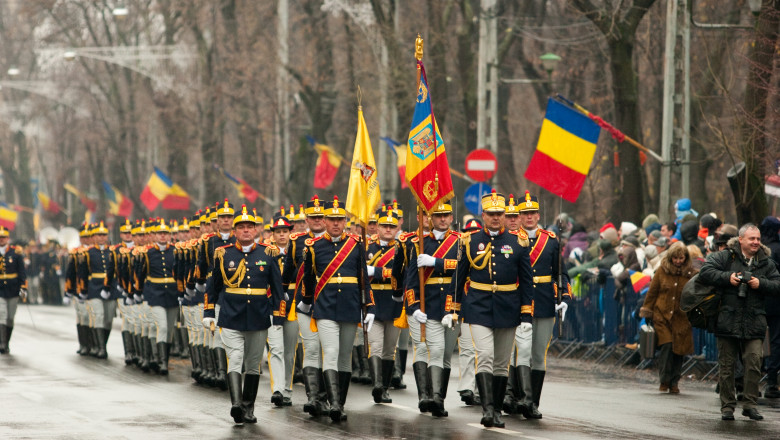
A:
x: 743, y: 286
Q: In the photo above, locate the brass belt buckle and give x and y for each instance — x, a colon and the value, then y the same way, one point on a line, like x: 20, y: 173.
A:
x: 441, y: 280
x: 248, y: 291
x: 338, y: 280
x: 495, y: 287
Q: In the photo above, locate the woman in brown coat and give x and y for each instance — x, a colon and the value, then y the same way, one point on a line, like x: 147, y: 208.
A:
x: 662, y: 306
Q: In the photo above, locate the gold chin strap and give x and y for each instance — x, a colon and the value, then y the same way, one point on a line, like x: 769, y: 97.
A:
x: 237, y: 278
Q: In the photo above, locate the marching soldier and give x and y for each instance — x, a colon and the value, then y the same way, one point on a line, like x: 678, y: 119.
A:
x: 437, y: 257
x: 122, y: 282
x: 73, y: 289
x: 283, y: 336
x: 222, y: 236
x: 190, y: 307
x: 243, y: 275
x: 466, y: 351
x: 383, y: 336
x: 333, y: 266
x: 532, y: 346
x: 98, y: 275
x: 158, y: 286
x: 13, y: 285
x: 292, y: 276
x: 499, y: 298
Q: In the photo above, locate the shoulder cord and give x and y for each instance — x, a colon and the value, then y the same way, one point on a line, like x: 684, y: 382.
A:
x: 237, y: 278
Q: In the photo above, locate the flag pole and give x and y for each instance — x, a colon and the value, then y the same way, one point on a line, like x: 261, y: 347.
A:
x: 418, y: 54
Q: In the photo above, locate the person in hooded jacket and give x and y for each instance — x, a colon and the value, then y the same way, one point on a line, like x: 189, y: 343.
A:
x: 743, y: 276
x: 662, y: 306
x: 769, y: 238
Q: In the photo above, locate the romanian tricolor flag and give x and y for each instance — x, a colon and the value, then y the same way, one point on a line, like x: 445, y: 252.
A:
x: 564, y: 152
x: 91, y: 204
x: 639, y: 281
x: 242, y: 187
x: 7, y: 216
x: 327, y: 166
x: 363, y: 193
x: 48, y: 204
x: 400, y: 155
x: 427, y: 169
x: 161, y: 189
x: 118, y: 204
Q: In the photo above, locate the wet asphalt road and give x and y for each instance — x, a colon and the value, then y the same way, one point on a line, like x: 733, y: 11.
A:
x: 49, y: 392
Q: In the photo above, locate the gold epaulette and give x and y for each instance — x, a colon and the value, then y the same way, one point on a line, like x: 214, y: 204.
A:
x: 550, y: 233
x: 272, y: 250
x: 310, y: 241
x: 522, y: 237
x: 18, y: 249
x: 355, y: 237
x: 375, y: 237
x: 114, y: 247
x: 295, y: 235
x: 220, y: 251
x: 455, y: 233
x: 206, y: 236
x: 465, y: 239
x: 124, y: 250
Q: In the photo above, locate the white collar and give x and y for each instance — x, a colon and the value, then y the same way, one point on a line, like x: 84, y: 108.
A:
x: 318, y: 234
x: 493, y: 233
x: 3, y: 249
x: 439, y: 234
x: 532, y: 232
x: 162, y: 246
x: 383, y: 243
x: 246, y: 248
x: 224, y: 235
x: 130, y: 244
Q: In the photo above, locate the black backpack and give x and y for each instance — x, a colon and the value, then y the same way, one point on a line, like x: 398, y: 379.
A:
x: 700, y: 302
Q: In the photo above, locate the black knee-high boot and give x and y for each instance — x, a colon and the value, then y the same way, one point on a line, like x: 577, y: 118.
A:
x: 485, y: 387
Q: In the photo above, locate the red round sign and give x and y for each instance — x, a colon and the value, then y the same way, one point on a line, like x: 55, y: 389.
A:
x: 481, y: 165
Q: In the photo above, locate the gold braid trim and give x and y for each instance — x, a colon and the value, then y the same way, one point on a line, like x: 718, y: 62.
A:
x: 273, y: 251
x: 238, y: 277
x: 481, y: 261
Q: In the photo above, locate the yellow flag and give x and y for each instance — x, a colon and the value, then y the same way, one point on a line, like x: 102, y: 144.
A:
x: 363, y: 194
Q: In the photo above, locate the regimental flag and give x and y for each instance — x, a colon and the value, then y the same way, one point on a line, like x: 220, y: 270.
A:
x: 564, y: 152
x: 327, y: 166
x: 241, y: 186
x: 118, y: 204
x: 90, y: 204
x: 427, y: 170
x: 363, y: 193
x: 161, y: 189
x: 48, y: 204
x: 639, y: 281
x: 400, y: 157
x: 7, y: 216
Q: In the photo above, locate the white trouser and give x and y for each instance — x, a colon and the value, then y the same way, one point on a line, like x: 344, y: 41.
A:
x: 543, y: 331
x: 466, y: 359
x: 493, y: 348
x: 382, y: 339
x: 336, y: 339
x: 82, y: 315
x: 164, y: 322
x: 8, y: 310
x: 311, y: 342
x: 96, y: 313
x: 244, y: 348
x: 439, y: 343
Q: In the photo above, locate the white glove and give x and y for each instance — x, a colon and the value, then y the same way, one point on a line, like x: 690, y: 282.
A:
x: 421, y: 317
x: 189, y: 294
x: 58, y: 272
x: 398, y: 299
x: 526, y: 327
x: 104, y: 294
x: 200, y: 287
x: 82, y: 297
x: 208, y: 321
x: 122, y: 290
x: 305, y: 308
x: 425, y: 260
x: 23, y: 294
x: 369, y: 321
x: 370, y: 270
x: 448, y: 320
x: 138, y: 298
x: 286, y: 297
x: 562, y: 307
x: 129, y: 301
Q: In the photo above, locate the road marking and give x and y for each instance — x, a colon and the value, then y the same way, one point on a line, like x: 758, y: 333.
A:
x: 507, y: 432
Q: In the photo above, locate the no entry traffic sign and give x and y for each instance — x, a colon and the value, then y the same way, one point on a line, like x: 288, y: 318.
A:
x: 481, y: 165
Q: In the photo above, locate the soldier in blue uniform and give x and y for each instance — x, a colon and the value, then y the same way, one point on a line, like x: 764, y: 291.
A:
x: 383, y: 337
x: 122, y: 281
x: 247, y: 285
x: 222, y: 236
x: 98, y: 275
x: 438, y: 259
x: 531, y: 347
x: 292, y: 276
x: 466, y: 352
x: 13, y: 285
x: 158, y: 287
x: 73, y: 291
x: 283, y: 336
x: 499, y: 298
x: 333, y: 266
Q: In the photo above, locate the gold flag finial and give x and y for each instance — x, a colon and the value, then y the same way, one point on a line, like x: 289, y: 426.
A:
x: 418, y: 48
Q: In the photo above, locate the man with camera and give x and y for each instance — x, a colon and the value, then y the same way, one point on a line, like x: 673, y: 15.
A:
x: 742, y: 274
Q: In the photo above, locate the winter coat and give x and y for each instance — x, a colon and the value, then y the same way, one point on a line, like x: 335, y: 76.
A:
x: 662, y: 305
x: 577, y: 240
x: 742, y: 318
